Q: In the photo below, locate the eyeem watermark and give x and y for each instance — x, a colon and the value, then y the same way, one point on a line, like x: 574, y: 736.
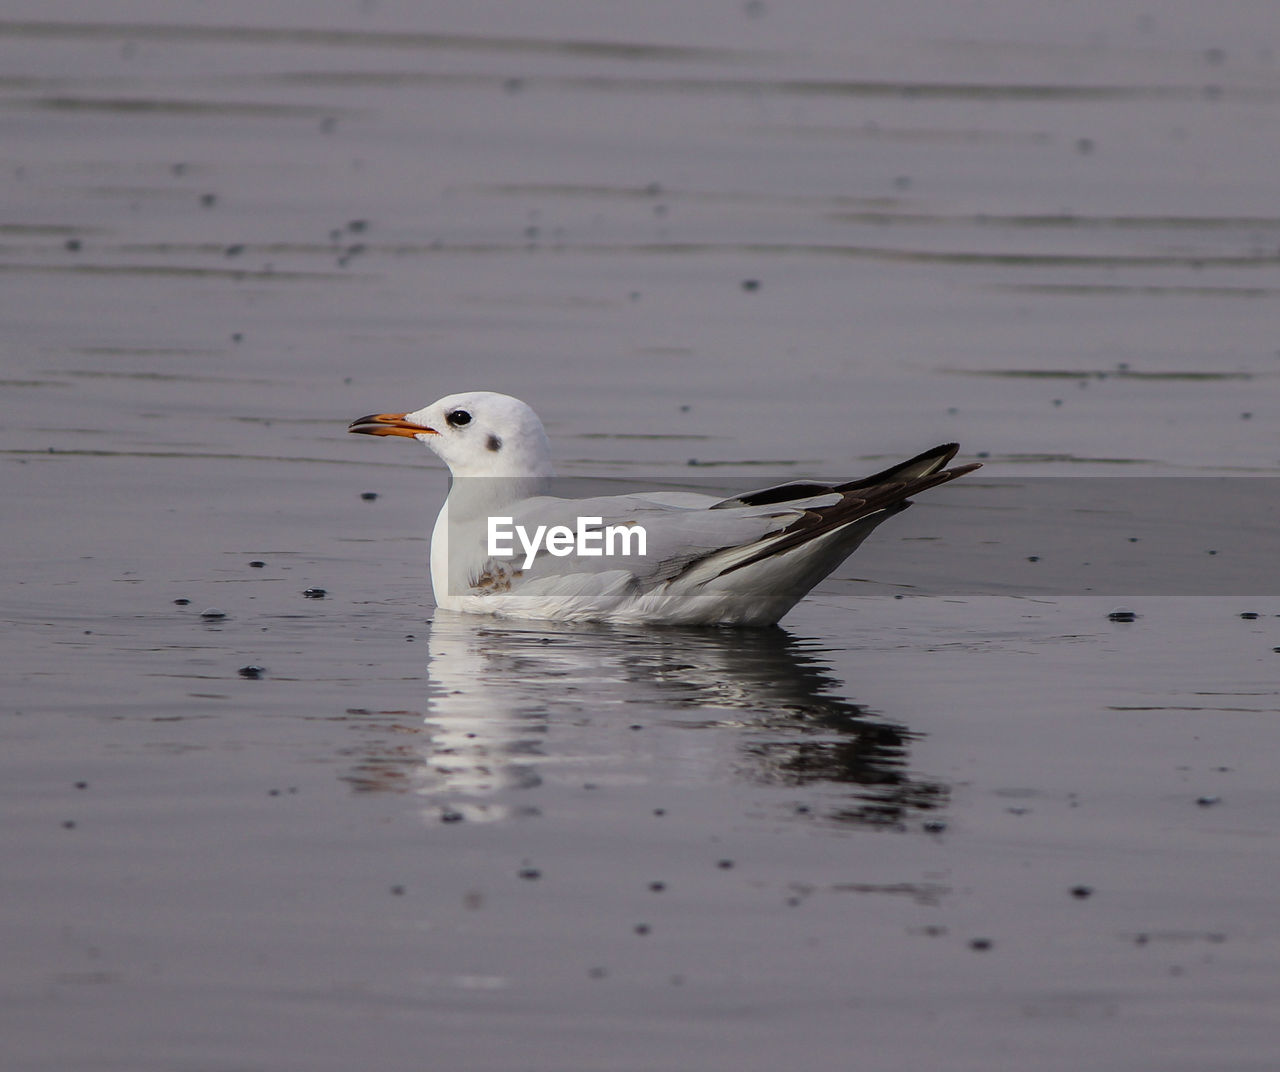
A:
x: 591, y: 538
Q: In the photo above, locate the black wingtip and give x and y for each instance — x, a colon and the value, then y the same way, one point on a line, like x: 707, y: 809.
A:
x: 924, y: 464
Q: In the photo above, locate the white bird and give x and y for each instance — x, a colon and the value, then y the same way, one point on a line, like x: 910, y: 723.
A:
x: 745, y: 560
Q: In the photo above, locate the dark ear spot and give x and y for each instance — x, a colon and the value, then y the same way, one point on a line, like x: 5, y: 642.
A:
x: 493, y: 443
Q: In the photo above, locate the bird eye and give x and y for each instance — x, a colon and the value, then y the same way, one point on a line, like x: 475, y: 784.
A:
x: 458, y: 418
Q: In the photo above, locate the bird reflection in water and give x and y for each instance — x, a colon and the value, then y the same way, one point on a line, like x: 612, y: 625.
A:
x: 516, y: 705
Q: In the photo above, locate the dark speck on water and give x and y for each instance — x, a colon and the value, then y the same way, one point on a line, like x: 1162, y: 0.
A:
x: 1207, y: 801
x: 1249, y: 615
x: 1123, y: 614
x: 208, y: 200
x: 451, y: 816
x: 182, y: 602
x: 368, y: 496
x: 529, y: 873
x: 980, y: 945
x: 750, y: 285
x: 315, y: 593
x: 213, y: 614
x: 253, y: 672
x: 257, y: 563
x: 1081, y: 892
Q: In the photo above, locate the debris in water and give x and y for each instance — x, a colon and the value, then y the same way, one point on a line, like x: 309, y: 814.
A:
x: 1122, y: 614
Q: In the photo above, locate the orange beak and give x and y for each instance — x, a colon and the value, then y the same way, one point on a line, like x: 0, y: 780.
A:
x: 389, y: 424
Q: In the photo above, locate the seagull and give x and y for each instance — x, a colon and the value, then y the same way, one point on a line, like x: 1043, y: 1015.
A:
x: 695, y: 559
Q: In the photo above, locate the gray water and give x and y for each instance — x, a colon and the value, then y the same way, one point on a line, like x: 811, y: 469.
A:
x: 965, y: 831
